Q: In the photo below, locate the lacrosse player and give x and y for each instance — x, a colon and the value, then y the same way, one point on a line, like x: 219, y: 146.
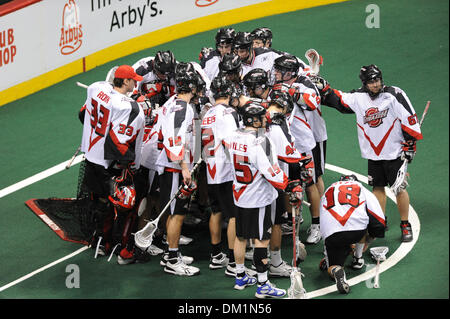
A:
x: 158, y: 82
x: 210, y: 58
x: 113, y: 129
x: 262, y: 38
x: 256, y: 176
x: 285, y: 73
x: 174, y: 164
x: 349, y: 214
x: 388, y: 129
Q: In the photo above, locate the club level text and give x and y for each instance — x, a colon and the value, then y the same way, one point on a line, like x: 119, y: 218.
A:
x: 226, y: 308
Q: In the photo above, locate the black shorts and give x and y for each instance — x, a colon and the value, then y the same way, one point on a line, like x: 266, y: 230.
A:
x: 338, y: 245
x: 383, y: 172
x: 280, y: 209
x: 254, y: 223
x: 169, y: 183
x: 221, y: 199
x: 97, y: 179
x: 295, y: 172
x: 319, y: 156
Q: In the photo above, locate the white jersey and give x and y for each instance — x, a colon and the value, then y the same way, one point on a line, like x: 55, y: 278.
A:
x: 218, y: 123
x: 262, y: 58
x: 284, y: 145
x: 383, y: 122
x: 256, y: 170
x: 113, y: 126
x: 317, y: 124
x: 175, y: 134
x: 348, y: 206
x: 210, y: 64
x: 149, y: 83
x: 151, y: 148
x: 304, y: 140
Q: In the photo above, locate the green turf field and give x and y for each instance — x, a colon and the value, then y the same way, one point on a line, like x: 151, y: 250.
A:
x: 410, y: 47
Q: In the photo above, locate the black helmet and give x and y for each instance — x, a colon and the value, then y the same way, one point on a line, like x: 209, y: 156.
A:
x: 230, y: 64
x: 256, y: 78
x: 225, y: 36
x: 351, y: 177
x: 283, y: 99
x: 221, y: 87
x: 369, y: 72
x: 164, y: 62
x: 264, y: 34
x: 243, y: 40
x: 186, y: 77
x: 252, y: 110
x: 287, y: 63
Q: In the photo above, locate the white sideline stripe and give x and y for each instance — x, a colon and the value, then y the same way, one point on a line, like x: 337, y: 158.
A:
x: 39, y: 176
x: 31, y: 274
x: 401, y: 252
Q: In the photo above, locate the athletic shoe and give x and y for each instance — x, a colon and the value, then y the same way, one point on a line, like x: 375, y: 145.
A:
x: 176, y: 266
x: 241, y: 283
x: 184, y: 240
x: 339, y: 277
x: 127, y: 257
x: 269, y: 290
x: 323, y: 264
x: 314, y: 234
x: 282, y: 270
x: 154, y: 250
x: 357, y: 263
x: 407, y: 233
x: 286, y: 229
x: 230, y: 271
x: 186, y: 259
x: 218, y: 261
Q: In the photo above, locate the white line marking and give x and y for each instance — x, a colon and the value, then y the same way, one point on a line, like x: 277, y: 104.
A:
x: 31, y: 274
x: 40, y: 176
x: 401, y: 252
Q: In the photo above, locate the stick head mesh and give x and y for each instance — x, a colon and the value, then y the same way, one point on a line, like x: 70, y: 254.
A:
x: 296, y: 290
x: 144, y: 238
x: 379, y: 253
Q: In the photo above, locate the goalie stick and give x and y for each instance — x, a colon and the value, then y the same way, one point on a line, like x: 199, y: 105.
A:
x: 401, y: 181
x: 144, y: 237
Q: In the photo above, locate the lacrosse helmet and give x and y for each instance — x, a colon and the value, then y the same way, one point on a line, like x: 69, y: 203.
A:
x: 283, y: 99
x: 186, y: 77
x: 221, y: 86
x: 370, y: 73
x: 345, y: 178
x: 251, y: 111
x: 264, y: 34
x: 286, y: 64
x: 164, y: 62
x: 225, y: 36
x: 123, y: 194
x: 256, y: 78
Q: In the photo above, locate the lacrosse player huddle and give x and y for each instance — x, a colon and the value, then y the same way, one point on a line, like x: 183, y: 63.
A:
x: 242, y: 128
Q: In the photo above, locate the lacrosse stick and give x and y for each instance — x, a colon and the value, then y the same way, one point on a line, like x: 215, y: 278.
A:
x: 73, y: 157
x: 144, y: 238
x: 379, y: 253
x: 314, y: 60
x: 296, y: 290
x: 401, y: 180
x: 82, y: 85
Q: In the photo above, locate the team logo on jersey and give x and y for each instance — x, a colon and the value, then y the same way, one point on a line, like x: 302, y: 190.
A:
x: 71, y: 34
x: 373, y: 117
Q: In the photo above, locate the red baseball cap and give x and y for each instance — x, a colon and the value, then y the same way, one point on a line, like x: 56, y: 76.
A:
x: 127, y: 72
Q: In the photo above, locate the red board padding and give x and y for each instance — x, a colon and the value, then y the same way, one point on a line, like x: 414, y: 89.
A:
x: 15, y: 5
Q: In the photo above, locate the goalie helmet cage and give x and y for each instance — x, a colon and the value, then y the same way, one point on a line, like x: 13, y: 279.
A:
x: 70, y: 218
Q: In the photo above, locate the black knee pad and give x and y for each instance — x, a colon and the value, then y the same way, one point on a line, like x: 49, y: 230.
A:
x: 259, y: 254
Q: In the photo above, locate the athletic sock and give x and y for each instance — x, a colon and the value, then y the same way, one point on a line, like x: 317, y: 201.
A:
x: 315, y: 220
x: 240, y: 270
x: 262, y: 278
x: 173, y: 253
x: 359, y: 250
x: 215, y: 249
x: 275, y: 258
x: 230, y: 256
